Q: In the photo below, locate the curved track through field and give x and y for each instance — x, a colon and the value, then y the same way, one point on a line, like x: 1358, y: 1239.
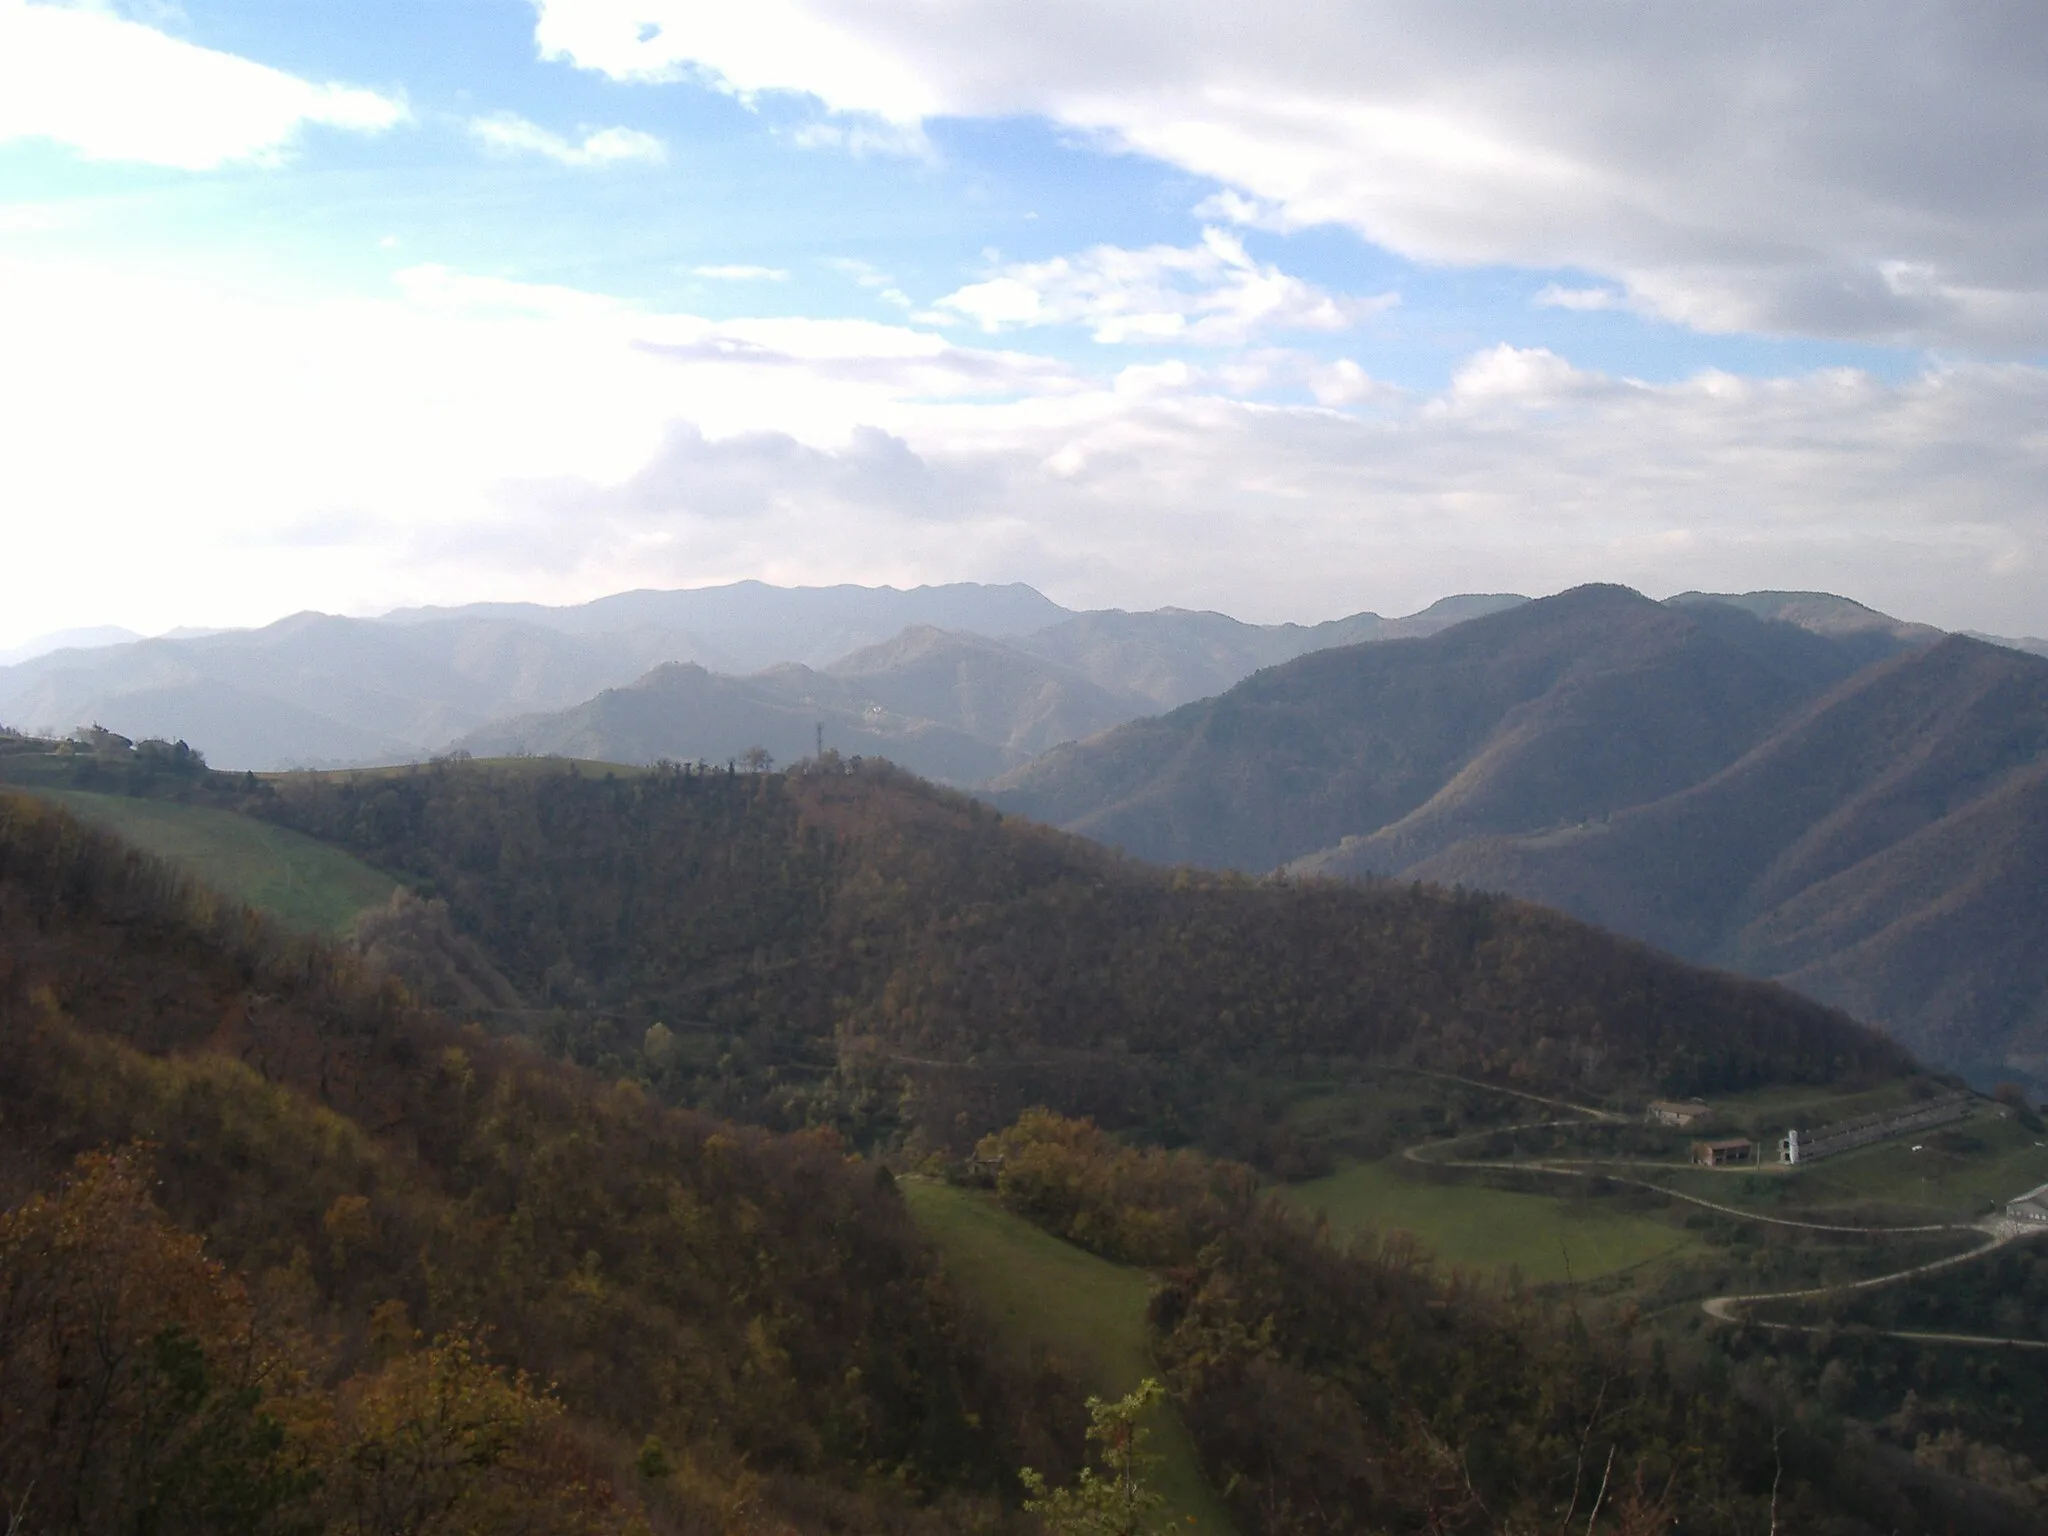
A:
x: 1995, y: 1231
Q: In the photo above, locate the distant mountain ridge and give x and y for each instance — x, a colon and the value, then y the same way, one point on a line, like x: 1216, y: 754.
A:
x: 1786, y: 784
x: 1514, y: 718
x: 1175, y: 655
x: 750, y: 625
x: 88, y: 638
x: 959, y: 682
x: 958, y: 707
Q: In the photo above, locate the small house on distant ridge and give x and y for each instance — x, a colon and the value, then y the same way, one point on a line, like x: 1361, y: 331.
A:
x: 1679, y: 1112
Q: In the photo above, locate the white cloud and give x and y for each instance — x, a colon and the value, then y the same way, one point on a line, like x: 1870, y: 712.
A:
x: 1213, y: 293
x: 1522, y: 377
x: 739, y: 272
x: 182, y: 454
x: 1557, y: 296
x: 114, y: 89
x: 1861, y: 171
x: 767, y: 45
x: 880, y: 283
x: 509, y: 133
x: 864, y: 273
x: 864, y: 135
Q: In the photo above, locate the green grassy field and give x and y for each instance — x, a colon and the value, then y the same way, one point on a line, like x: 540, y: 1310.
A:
x: 301, y: 883
x: 1090, y: 1312
x: 1472, y: 1226
x: 1959, y: 1169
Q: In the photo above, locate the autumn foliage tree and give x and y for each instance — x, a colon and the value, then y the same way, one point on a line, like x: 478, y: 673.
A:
x: 141, y: 1393
x: 135, y: 1392
x: 1111, y: 1498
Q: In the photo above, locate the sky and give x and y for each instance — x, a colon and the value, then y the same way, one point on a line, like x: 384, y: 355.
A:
x: 1290, y: 310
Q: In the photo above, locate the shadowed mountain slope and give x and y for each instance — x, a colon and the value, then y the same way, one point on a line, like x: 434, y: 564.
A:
x: 994, y: 692
x: 1885, y: 851
x: 1550, y: 711
x: 1174, y: 655
x: 1732, y: 779
x: 1864, y: 632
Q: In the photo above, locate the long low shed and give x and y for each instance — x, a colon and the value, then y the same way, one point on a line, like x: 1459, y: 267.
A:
x: 1845, y: 1135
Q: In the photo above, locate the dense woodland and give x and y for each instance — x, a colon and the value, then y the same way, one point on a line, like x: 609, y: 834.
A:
x: 385, y: 1190
x: 1806, y: 791
x: 846, y: 946
x: 372, y: 1267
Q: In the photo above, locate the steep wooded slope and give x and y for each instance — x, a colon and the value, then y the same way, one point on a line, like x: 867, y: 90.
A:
x: 761, y: 1304
x: 1174, y: 655
x: 1883, y: 851
x: 862, y: 948
x: 1553, y: 711
x: 745, y: 1331
x: 1730, y: 778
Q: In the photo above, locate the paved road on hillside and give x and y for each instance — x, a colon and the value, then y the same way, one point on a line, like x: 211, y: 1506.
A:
x: 1997, y: 1232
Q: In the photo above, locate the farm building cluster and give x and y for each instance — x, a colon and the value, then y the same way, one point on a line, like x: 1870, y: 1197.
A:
x: 1807, y: 1146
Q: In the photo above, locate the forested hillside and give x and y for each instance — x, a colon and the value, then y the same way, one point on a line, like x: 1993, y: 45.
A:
x: 846, y: 944
x: 344, y: 1265
x: 1552, y: 711
x: 1883, y: 852
x: 376, y: 1179
x: 1786, y: 784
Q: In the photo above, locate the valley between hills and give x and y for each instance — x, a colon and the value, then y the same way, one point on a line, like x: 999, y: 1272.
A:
x: 798, y: 1148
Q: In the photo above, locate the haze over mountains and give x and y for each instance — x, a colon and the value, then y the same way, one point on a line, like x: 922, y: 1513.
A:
x: 1784, y: 783
x: 1741, y: 788
x: 315, y: 690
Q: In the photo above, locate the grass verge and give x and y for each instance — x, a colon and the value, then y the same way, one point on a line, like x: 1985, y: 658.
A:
x: 300, y: 882
x: 1473, y: 1226
x: 1086, y: 1310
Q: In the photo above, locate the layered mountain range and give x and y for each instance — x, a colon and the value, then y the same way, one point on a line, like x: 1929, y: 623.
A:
x: 1790, y: 787
x: 1789, y: 784
x: 956, y: 682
